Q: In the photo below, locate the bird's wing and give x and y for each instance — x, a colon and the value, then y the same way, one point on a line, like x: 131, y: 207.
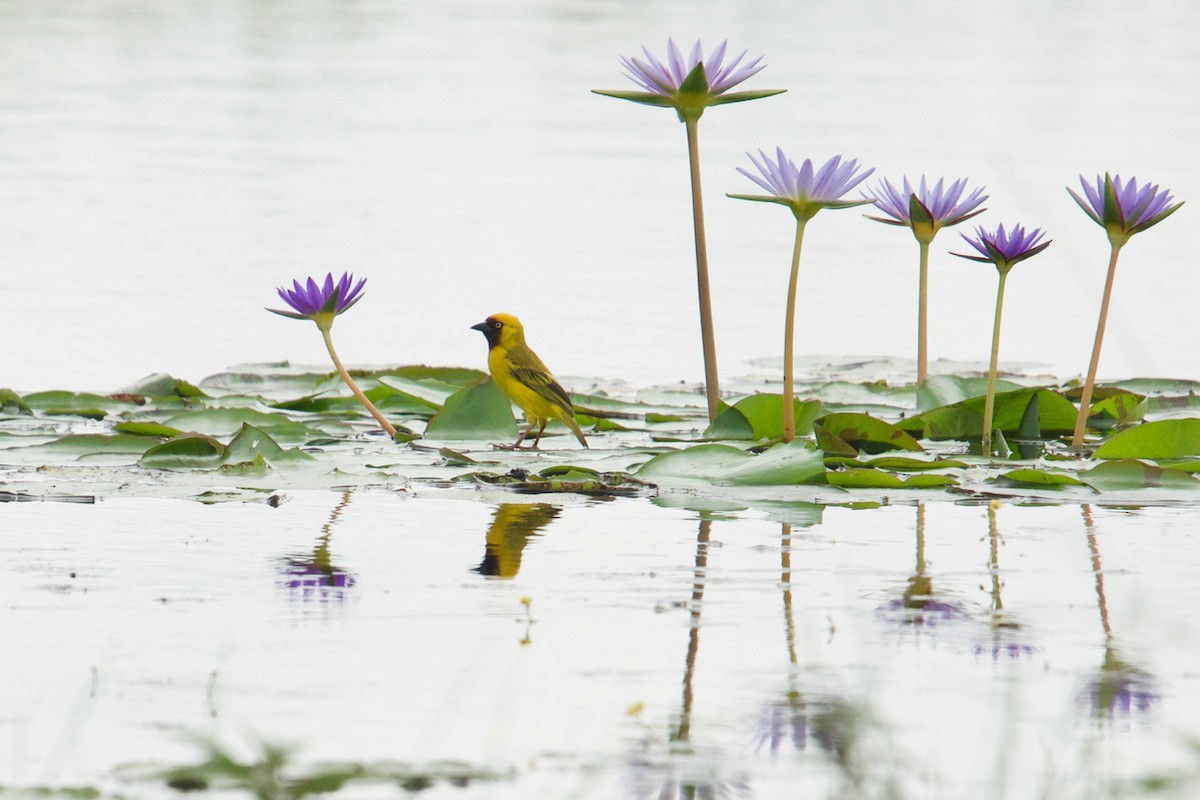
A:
x: 529, y: 370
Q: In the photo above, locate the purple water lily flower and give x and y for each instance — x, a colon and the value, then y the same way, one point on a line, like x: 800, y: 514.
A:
x: 320, y: 302
x: 927, y: 210
x: 1005, y: 248
x: 805, y: 189
x: 691, y: 83
x: 1124, y: 209
x: 655, y: 76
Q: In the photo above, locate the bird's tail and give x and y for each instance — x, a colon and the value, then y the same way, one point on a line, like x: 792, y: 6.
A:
x: 570, y: 420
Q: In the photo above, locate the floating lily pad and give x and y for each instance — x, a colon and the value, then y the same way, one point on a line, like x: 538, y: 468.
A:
x: 944, y: 390
x: 1168, y: 438
x: 96, y: 443
x: 867, y: 434
x: 760, y: 416
x: 161, y: 384
x: 147, y: 429
x: 860, y: 478
x: 964, y: 420
x: 780, y: 465
x: 191, y: 451
x: 480, y: 411
x: 1133, y: 474
x: 11, y: 403
x: 1027, y: 477
x: 1117, y: 410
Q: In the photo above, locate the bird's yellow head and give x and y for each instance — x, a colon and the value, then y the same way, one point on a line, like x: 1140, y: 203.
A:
x: 501, y: 329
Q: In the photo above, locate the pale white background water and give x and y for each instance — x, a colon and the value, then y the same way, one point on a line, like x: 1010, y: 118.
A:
x: 133, y: 624
x: 163, y: 166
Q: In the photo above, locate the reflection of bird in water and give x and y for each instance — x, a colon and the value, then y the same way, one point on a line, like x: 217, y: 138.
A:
x: 512, y: 525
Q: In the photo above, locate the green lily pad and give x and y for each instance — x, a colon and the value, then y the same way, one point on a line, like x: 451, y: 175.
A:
x: 95, y: 443
x: 944, y: 390
x: 224, y: 421
x: 191, y: 451
x: 893, y: 463
x: 480, y: 411
x: 79, y: 404
x: 11, y: 403
x: 161, y: 384
x: 831, y: 444
x: 1027, y: 477
x: 964, y: 419
x: 147, y: 429
x: 867, y: 434
x: 1167, y: 438
x: 1133, y: 474
x: 860, y: 478
x: 1117, y: 410
x: 760, y: 416
x: 250, y: 443
x: 780, y: 465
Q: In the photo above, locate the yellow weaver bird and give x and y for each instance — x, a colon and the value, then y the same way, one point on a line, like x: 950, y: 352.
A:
x: 524, y: 379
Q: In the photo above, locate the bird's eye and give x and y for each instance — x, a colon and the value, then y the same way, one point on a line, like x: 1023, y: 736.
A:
x: 497, y: 325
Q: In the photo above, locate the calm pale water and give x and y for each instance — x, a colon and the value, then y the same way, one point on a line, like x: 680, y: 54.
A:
x: 163, y: 166
x: 132, y: 622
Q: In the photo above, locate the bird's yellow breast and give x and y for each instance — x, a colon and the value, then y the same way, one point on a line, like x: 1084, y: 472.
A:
x: 538, y: 406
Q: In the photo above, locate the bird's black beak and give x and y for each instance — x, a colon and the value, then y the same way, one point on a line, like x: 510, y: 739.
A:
x: 480, y: 326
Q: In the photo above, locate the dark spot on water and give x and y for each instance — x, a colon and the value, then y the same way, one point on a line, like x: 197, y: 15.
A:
x: 188, y: 783
x: 417, y: 783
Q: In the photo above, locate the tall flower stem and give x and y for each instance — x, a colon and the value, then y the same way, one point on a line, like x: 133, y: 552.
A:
x: 1085, y: 400
x: 789, y: 325
x: 923, y: 315
x: 362, y: 398
x: 989, y: 406
x: 707, y: 337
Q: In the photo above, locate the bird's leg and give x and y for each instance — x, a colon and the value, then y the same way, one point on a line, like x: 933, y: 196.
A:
x: 541, y: 430
x: 517, y: 444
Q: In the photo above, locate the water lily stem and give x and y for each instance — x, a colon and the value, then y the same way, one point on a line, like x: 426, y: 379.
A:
x: 1085, y: 401
x: 362, y: 398
x: 789, y: 403
x: 707, y: 337
x: 923, y: 315
x: 989, y: 405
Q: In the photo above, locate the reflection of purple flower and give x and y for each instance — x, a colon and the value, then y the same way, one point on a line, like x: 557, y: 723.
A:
x: 784, y: 719
x: 1124, y: 209
x: 1005, y: 248
x: 690, y: 778
x: 320, y: 302
x: 927, y: 210
x: 315, y: 577
x: 1003, y: 644
x: 918, y: 606
x: 1120, y: 689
